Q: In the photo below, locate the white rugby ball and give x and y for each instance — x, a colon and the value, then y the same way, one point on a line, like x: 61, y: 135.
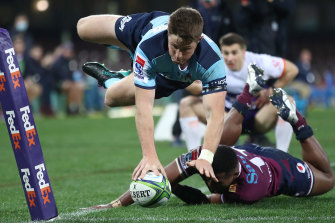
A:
x: 151, y: 191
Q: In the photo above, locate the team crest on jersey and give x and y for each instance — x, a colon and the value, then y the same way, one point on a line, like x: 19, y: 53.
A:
x: 139, y: 64
x: 232, y: 188
x: 301, y: 168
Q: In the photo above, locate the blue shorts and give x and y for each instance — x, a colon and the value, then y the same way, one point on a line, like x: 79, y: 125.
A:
x: 297, y: 177
x: 249, y: 121
x: 130, y: 29
x: 165, y: 87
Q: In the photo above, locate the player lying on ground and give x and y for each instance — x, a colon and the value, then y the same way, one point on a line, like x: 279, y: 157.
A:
x: 170, y: 53
x: 277, y: 72
x: 249, y: 172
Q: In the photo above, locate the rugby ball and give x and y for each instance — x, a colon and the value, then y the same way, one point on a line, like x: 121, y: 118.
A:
x: 151, y: 191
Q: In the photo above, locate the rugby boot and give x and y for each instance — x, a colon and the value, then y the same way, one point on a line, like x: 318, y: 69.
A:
x: 101, y: 73
x: 255, y: 80
x: 286, y: 107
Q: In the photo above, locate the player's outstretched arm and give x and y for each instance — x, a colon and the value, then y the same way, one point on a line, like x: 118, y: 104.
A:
x: 214, y: 105
x: 312, y: 151
x: 145, y: 129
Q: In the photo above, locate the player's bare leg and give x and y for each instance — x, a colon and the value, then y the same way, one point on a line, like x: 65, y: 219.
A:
x: 192, y: 106
x: 99, y: 29
x: 195, y: 88
x: 121, y: 93
x: 312, y: 151
x: 232, y: 128
x: 191, y: 115
x: 266, y: 118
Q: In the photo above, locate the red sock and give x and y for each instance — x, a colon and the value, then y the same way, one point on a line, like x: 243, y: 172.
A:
x: 245, y: 97
x: 300, y: 123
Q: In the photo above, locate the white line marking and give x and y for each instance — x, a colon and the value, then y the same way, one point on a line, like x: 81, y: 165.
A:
x: 70, y: 216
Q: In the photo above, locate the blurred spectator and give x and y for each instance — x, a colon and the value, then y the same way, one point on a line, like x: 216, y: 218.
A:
x: 329, y: 91
x: 93, y: 98
x: 68, y: 80
x: 264, y: 24
x: 300, y: 87
x: 47, y: 83
x: 217, y: 17
x: 19, y: 48
x: 34, y: 72
x: 20, y: 27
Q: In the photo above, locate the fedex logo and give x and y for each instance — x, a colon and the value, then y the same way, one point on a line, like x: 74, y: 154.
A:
x: 28, y: 127
x: 2, y: 82
x: 13, y: 131
x: 30, y: 190
x: 14, y: 71
x: 44, y: 187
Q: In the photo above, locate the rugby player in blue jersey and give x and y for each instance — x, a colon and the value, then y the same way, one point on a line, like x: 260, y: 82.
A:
x: 248, y: 173
x: 170, y: 52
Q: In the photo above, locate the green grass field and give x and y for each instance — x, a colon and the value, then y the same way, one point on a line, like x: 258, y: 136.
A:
x: 90, y: 161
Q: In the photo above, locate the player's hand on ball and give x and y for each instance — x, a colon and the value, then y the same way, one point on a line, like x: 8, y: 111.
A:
x: 148, y: 164
x: 204, y: 168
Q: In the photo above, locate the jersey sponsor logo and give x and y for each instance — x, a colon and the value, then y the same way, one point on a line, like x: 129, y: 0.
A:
x: 28, y: 127
x: 215, y: 86
x: 252, y: 177
x: 123, y: 22
x: 232, y: 188
x: 14, y: 71
x: 2, y: 82
x: 139, y: 64
x: 16, y: 136
x: 44, y: 187
x: 301, y: 168
x: 30, y: 190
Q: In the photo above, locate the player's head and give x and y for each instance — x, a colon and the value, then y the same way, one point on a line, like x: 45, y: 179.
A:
x: 225, y: 165
x: 184, y: 33
x: 233, y: 47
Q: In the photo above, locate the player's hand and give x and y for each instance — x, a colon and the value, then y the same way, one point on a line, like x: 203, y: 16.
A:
x: 204, y: 168
x: 114, y: 204
x: 148, y: 164
x: 263, y: 97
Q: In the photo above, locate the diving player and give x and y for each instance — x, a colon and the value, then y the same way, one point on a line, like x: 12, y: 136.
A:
x: 170, y: 52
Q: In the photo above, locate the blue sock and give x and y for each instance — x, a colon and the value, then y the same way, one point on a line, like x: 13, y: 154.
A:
x: 111, y: 81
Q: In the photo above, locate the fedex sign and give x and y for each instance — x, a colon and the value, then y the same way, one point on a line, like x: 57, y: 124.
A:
x: 14, y: 71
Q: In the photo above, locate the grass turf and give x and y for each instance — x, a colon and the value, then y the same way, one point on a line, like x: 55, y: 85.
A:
x: 90, y: 161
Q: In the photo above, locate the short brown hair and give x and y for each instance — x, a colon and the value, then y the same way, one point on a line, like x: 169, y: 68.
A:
x: 232, y: 38
x: 186, y: 23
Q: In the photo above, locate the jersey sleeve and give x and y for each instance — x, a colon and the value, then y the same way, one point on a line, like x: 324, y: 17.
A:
x: 144, y: 76
x: 274, y: 67
x: 216, y: 79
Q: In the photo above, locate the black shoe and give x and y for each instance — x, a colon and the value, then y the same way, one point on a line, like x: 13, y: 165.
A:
x: 286, y: 108
x: 101, y: 73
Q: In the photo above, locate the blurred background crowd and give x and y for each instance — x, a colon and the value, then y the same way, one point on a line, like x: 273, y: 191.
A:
x: 51, y: 54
